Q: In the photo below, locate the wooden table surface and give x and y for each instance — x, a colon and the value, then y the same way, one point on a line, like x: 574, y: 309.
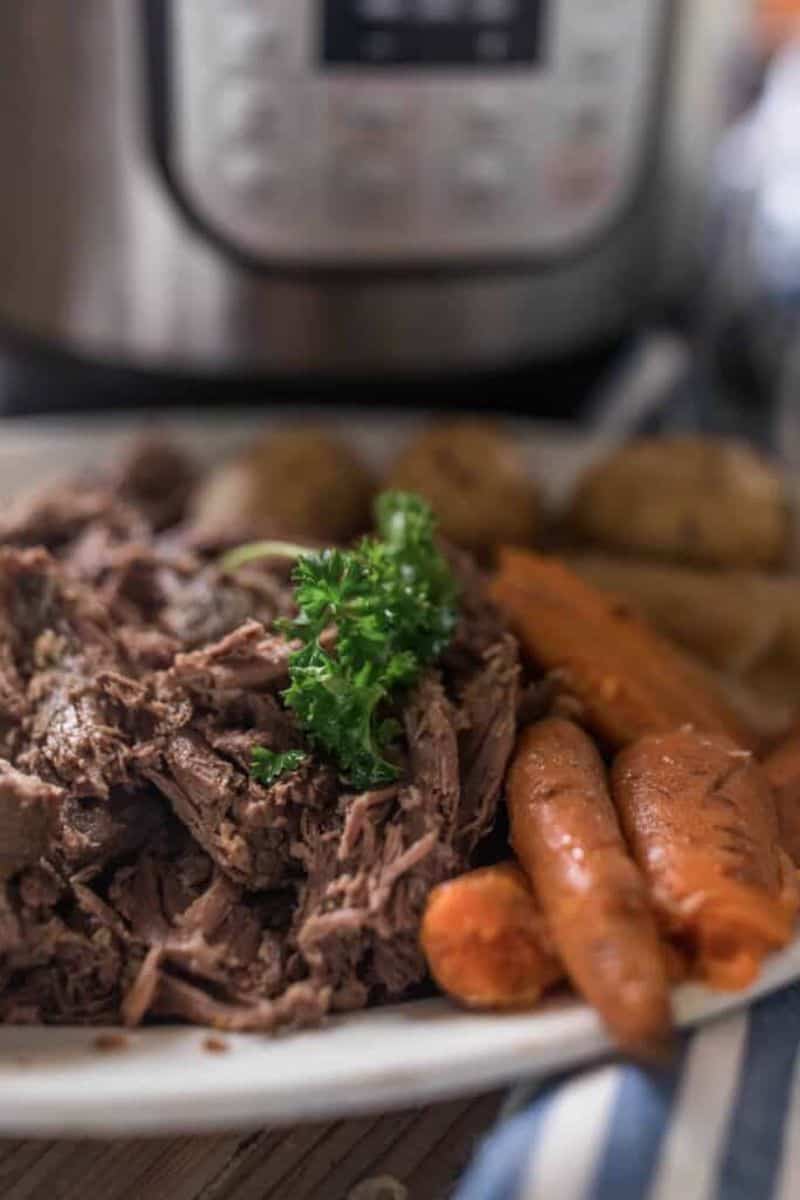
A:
x: 424, y: 1150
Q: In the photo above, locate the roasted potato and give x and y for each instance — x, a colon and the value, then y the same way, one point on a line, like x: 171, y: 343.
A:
x: 688, y: 499
x: 295, y: 483
x: 472, y: 475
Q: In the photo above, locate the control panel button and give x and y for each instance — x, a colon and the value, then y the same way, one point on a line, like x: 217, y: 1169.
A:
x: 586, y: 122
x: 375, y: 113
x: 250, y: 40
x: 248, y: 111
x: 486, y: 116
x: 372, y: 179
x: 483, y: 179
x: 595, y: 65
x: 252, y: 175
x: 579, y: 178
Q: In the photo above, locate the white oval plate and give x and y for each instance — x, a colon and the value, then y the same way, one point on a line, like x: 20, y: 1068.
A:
x: 79, y: 1082
x: 59, y: 1083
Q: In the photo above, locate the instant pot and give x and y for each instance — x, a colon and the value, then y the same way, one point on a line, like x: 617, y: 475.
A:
x: 311, y: 188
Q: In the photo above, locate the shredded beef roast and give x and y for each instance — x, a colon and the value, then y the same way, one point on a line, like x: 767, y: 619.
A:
x: 159, y: 878
x: 58, y: 962
x: 29, y: 810
x: 61, y: 517
x: 487, y: 730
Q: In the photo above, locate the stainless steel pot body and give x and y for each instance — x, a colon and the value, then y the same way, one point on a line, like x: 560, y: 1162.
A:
x: 100, y: 256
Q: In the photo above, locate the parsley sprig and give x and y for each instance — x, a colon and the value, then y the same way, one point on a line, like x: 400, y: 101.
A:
x: 268, y: 765
x: 387, y: 608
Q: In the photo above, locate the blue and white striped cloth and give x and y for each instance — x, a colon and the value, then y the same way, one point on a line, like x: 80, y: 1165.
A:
x: 722, y: 1123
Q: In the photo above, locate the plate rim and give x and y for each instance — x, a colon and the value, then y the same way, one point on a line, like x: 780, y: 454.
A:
x: 241, y: 1100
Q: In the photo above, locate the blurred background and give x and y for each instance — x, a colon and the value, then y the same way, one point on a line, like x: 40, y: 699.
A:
x: 557, y: 207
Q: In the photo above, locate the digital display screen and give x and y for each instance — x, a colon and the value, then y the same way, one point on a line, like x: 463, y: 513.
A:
x: 432, y: 33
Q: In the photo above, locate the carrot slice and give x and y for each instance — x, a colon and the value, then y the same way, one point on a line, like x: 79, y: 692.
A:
x: 628, y: 679
x: 567, y: 837
x: 700, y: 818
x: 782, y: 768
x: 484, y: 940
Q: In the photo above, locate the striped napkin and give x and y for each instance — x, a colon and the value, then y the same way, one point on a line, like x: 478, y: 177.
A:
x: 722, y: 1123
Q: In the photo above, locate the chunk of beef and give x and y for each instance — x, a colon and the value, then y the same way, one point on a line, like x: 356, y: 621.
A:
x: 45, y: 617
x: 58, y: 964
x: 147, y: 650
x: 363, y: 866
x: 301, y: 1004
x: 245, y: 827
x: 488, y: 726
x: 199, y: 948
x: 368, y: 873
x: 27, y: 791
x: 74, y: 739
x: 128, y: 578
x: 90, y: 832
x: 29, y: 809
x: 163, y: 587
x: 429, y: 721
x: 479, y: 623
x: 85, y: 521
x: 215, y: 708
x: 56, y: 518
x: 248, y: 658
x: 87, y: 723
x: 79, y: 713
x: 205, y: 605
x: 13, y: 699
x: 69, y: 951
x: 26, y: 598
x: 55, y: 638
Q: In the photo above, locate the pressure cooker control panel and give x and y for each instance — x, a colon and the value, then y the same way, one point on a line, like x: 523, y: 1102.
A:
x: 388, y: 132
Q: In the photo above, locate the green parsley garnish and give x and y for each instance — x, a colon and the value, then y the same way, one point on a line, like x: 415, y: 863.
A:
x: 392, y: 604
x: 389, y: 608
x: 253, y: 551
x: 268, y: 765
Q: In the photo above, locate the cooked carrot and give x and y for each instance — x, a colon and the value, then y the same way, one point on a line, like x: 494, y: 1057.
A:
x: 484, y: 939
x: 628, y: 679
x: 700, y: 818
x: 782, y: 768
x: 594, y: 900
